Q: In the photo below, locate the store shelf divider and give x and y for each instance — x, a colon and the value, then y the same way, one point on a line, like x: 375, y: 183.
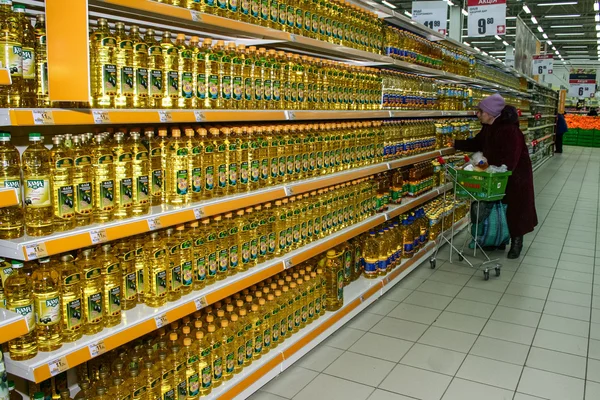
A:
x: 12, y: 325
x: 8, y: 197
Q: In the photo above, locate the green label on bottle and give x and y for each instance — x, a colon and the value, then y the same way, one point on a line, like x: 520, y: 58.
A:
x: 187, y: 273
x: 126, y: 194
x: 127, y: 86
x: 201, y: 269
x: 210, y: 178
x: 222, y: 172
x: 109, y: 79
x: 182, y: 181
x: 114, y: 301
x: 65, y: 202
x: 213, y: 264
x: 187, y: 85
x: 173, y: 84
x: 106, y: 195
x: 160, y: 283
x: 156, y: 83
x: 226, y: 87
x: 213, y: 87
x: 176, y: 278
x: 237, y: 88
x: 141, y: 82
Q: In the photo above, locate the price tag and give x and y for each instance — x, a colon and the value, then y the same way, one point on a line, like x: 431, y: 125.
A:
x: 432, y: 14
x: 43, y: 117
x: 198, y: 213
x: 487, y: 17
x: 98, y: 236
x: 199, y: 115
x: 288, y: 264
x: 200, y: 303
x: 57, y: 366
x: 582, y: 85
x: 542, y: 64
x: 161, y: 320
x: 291, y: 115
x: 101, y: 117
x: 97, y: 348
x: 36, y: 250
x: 154, y: 223
x: 165, y: 116
x: 196, y: 16
x: 292, y: 37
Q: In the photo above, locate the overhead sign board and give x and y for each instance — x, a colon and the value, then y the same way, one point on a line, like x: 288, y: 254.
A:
x: 432, y: 14
x: 486, y: 17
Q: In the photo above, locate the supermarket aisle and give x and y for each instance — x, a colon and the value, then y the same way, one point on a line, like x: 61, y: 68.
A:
x: 533, y: 333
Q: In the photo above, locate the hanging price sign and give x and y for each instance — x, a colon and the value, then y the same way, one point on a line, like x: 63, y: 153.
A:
x: 582, y: 85
x: 542, y: 64
x: 487, y: 17
x: 432, y: 14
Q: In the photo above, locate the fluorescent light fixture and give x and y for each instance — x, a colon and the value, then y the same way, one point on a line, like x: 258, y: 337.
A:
x: 467, y: 44
x: 390, y: 5
x: 570, y: 34
x: 545, y: 36
x: 497, y: 37
x: 504, y: 42
x: 562, y: 16
x: 484, y: 53
x: 598, y: 27
x: 513, y: 35
x: 577, y: 51
x: 567, y: 3
x: 408, y: 13
x: 450, y: 3
x: 549, y: 42
x: 596, y: 6
x: 477, y: 48
x: 574, y: 47
x: 498, y: 52
x: 553, y: 48
x: 565, y: 26
x: 533, y: 20
x: 540, y: 29
x: 556, y: 52
x: 464, y: 12
x: 526, y: 9
x: 481, y: 42
x: 511, y: 17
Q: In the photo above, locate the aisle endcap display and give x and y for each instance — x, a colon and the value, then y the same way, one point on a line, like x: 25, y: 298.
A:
x: 27, y: 248
x: 143, y: 319
x: 12, y: 325
x: 8, y: 197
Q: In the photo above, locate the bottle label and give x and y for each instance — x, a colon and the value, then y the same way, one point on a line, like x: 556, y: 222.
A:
x: 109, y: 79
x: 114, y: 300
x: 233, y: 174
x: 27, y: 312
x: 213, y: 87
x: 169, y: 395
x: 206, y: 377
x: 187, y: 273
x: 141, y: 82
x: 222, y: 172
x: 258, y: 89
x: 47, y: 311
x: 173, y: 84
x: 106, y: 195
x: 130, y: 283
x: 94, y: 307
x: 213, y: 264
x: 127, y: 87
x: 201, y: 269
x: 182, y: 182
x: 187, y: 85
x: 37, y: 192
x: 12, y: 182
x: 160, y: 283
x: 226, y: 87
x: 139, y: 392
x: 193, y: 385
x: 156, y: 83
x: 182, y: 389
x: 340, y: 285
x: 65, y: 202
x: 201, y: 86
x: 28, y: 55
x: 224, y: 260
x: 217, y: 367
x: 73, y: 317
x: 126, y: 193
x: 175, y: 282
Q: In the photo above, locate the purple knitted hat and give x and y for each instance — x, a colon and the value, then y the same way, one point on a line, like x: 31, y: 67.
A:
x: 492, y: 105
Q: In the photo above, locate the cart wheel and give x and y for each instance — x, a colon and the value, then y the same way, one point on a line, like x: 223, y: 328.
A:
x: 497, y: 271
x: 432, y: 263
x: 460, y: 257
x: 486, y: 275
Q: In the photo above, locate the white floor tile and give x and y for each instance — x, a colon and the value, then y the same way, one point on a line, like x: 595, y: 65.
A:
x: 344, y: 338
x: 428, y: 300
x: 535, y: 292
x: 380, y: 346
x: 444, y: 289
x: 399, y: 328
x: 379, y: 394
x: 483, y: 296
x: 260, y: 395
x: 461, y: 389
x: 360, y: 368
x: 567, y: 310
x: 449, y: 277
x: 511, y: 332
x: 448, y: 339
x: 522, y: 303
x: 500, y: 350
x: 382, y: 307
x: 592, y: 390
x: 549, y: 385
x: 593, y: 370
x: 490, y: 372
x: 468, y: 307
x: 562, y: 296
x: 364, y: 321
x: 434, y: 359
x: 565, y: 325
x: 397, y: 293
x: 290, y: 382
x: 554, y: 361
x: 516, y: 316
x: 572, y: 286
x: 561, y: 342
x: 332, y: 388
x: 415, y: 382
x: 411, y: 312
x: 319, y: 358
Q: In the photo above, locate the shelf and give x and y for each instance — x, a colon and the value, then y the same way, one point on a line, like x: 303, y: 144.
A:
x: 5, y: 78
x: 143, y: 319
x: 8, y: 197
x: 538, y: 141
x: 12, y: 325
x: 543, y: 105
x: 59, y: 116
x: 534, y: 128
x: 30, y: 248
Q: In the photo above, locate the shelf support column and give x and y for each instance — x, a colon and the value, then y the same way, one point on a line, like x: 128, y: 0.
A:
x: 67, y: 32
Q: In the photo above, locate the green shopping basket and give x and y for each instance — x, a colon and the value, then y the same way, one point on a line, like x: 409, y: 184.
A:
x: 483, y: 186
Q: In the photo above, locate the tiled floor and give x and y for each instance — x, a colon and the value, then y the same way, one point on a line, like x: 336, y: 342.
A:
x: 533, y: 333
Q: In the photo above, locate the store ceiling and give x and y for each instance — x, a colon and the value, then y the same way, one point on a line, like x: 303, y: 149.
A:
x: 570, y: 27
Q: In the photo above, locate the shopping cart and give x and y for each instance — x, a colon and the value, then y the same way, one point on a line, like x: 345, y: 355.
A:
x: 474, y: 187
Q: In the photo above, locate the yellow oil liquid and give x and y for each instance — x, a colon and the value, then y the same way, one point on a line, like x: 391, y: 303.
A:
x: 174, y: 275
x: 155, y: 271
x: 83, y: 176
x: 123, y: 164
x: 70, y: 284
x: 334, y: 277
x: 92, y: 283
x: 104, y: 180
x: 192, y: 375
x: 46, y: 297
x: 124, y: 54
x: 220, y: 163
x: 176, y: 172
x: 138, y: 247
x: 41, y: 62
x: 12, y: 223
x: 157, y: 147
x: 166, y: 372
x: 243, y: 146
x: 225, y: 75
x: 179, y: 369
x: 137, y: 383
x: 156, y: 66
x: 170, y: 72
x: 112, y: 296
x: 37, y: 167
x: 248, y: 77
x: 227, y: 250
x: 28, y: 88
x: 255, y: 321
x: 186, y: 258
x: 152, y: 375
x: 237, y: 68
x: 140, y: 68
x: 216, y: 355
x: 186, y: 73
x: 201, y: 70
x: 11, y: 55
x: 195, y: 145
x: 214, y: 73
x: 18, y: 291
x: 199, y: 255
x: 232, y: 139
x: 103, y: 66
x: 204, y: 363
x: 228, y: 335
x: 244, y: 238
x: 141, y: 176
x: 126, y: 256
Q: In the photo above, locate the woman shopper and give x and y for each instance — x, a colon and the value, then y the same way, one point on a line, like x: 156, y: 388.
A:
x: 502, y: 142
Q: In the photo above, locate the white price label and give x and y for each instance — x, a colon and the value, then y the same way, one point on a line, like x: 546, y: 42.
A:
x: 36, y: 250
x: 43, y: 117
x: 196, y: 16
x: 198, y: 213
x: 487, y: 17
x: 57, y: 366
x: 97, y: 348
x: 291, y: 115
x: 165, y: 116
x: 432, y: 14
x: 199, y: 115
x: 542, y: 65
x: 98, y: 236
x: 292, y: 37
x: 200, y: 303
x: 161, y: 320
x: 288, y: 264
x: 154, y: 223
x: 101, y: 117
x: 582, y: 85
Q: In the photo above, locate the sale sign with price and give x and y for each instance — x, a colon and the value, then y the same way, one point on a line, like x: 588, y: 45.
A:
x: 542, y: 64
x: 582, y: 85
x: 487, y: 17
x: 432, y: 14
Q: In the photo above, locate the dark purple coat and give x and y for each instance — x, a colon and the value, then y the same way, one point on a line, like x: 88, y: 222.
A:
x: 503, y: 143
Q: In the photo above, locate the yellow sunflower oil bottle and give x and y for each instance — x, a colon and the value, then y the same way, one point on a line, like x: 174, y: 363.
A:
x: 18, y: 291
x: 228, y: 249
x: 232, y: 156
x: 200, y: 73
x: 177, y: 173
x: 228, y: 343
x: 140, y: 68
x: 137, y: 383
x: 165, y: 367
x: 195, y: 147
x: 220, y: 161
x: 334, y: 276
x: 111, y: 272
x: 204, y: 363
x: 83, y: 175
x: 212, y: 58
x: 41, y: 62
x: 152, y: 376
x: 92, y: 291
x: 156, y: 66
x: 103, y: 66
x: 237, y: 65
x: 12, y: 224
x: 28, y: 88
x: 225, y: 75
x: 140, y: 176
x: 157, y: 149
x: 186, y: 73
x: 179, y: 368
x: 138, y: 247
x: 123, y: 165
x: 243, y: 146
x: 71, y: 299
x: 213, y: 340
x: 125, y: 69
x: 170, y: 72
x: 186, y: 259
x: 126, y: 255
x: 207, y: 173
x: 199, y: 253
x: 174, y: 278
x: 104, y: 180
x: 192, y: 375
x: 37, y: 170
x: 46, y: 297
x: 212, y: 256
x: 12, y: 53
x: 248, y: 77
x: 155, y: 271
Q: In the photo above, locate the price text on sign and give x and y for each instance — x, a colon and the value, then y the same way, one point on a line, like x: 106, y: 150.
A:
x: 43, y: 117
x: 582, y: 85
x: 97, y: 348
x: 542, y: 65
x: 487, y: 17
x: 432, y: 14
x: 154, y: 223
x: 161, y: 320
x: 98, y: 236
x: 199, y: 115
x: 57, y: 366
x: 101, y: 117
x: 200, y: 303
x: 165, y: 116
x: 36, y: 250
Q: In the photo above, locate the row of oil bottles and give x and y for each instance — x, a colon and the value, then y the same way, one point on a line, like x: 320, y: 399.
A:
x: 86, y: 179
x: 129, y: 70
x: 336, y: 21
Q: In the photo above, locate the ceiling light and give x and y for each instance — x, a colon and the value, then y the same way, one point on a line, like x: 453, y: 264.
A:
x: 545, y: 36
x: 481, y: 42
x: 570, y: 34
x: 540, y: 29
x: 450, y: 3
x: 549, y: 42
x: 504, y: 42
x: 497, y: 37
x: 513, y: 35
x: 568, y: 3
x: 596, y: 6
x: 408, y: 14
x: 575, y: 47
x: 553, y: 48
x: 464, y: 12
x: 467, y: 44
x: 390, y: 5
x: 498, y: 52
x: 562, y: 16
x: 556, y: 52
x: 526, y: 9
x: 511, y: 17
x: 477, y: 48
x: 598, y: 27
x: 533, y: 20
x: 565, y: 26
x: 577, y: 51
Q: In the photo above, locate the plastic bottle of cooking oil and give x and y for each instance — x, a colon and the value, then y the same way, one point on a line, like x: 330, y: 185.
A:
x: 28, y: 89
x: 228, y: 343
x: 104, y: 180
x: 155, y: 271
x: 165, y: 368
x: 204, y: 363
x: 213, y: 340
x: 36, y: 161
x: 407, y: 238
x: 92, y: 283
x: 71, y: 300
x: 62, y: 183
x: 201, y: 71
x: 170, y: 71
x: 103, y: 66
x: 179, y: 368
x: 137, y: 246
x: 191, y: 356
x: 195, y: 147
x: 125, y: 70
x: 82, y: 182
x: 231, y: 243
x: 156, y: 65
x: 152, y: 375
x: 41, y: 62
x: 156, y: 149
x: 199, y: 255
x: 177, y: 173
x: 12, y: 225
x: 111, y: 272
x: 140, y: 68
x: 123, y: 165
x: 126, y: 255
x: 233, y: 161
x: 186, y: 259
x: 12, y: 53
x: 137, y: 383
x: 186, y: 73
x: 46, y: 296
x: 220, y: 162
x: 174, y: 277
x: 18, y: 291
x: 334, y: 276
x: 140, y: 174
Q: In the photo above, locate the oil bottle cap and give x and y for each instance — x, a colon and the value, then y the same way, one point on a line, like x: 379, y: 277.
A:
x: 194, y: 224
x: 4, y: 136
x: 229, y: 308
x: 173, y: 336
x: 181, y: 36
x: 187, y: 342
x: 234, y: 317
x: 18, y: 8
x: 220, y: 313
x: 185, y: 330
x: 255, y: 306
x: 248, y: 299
x: 261, y: 301
x: 34, y: 137
x: 16, y: 263
x: 224, y: 323
x: 331, y: 253
x: 270, y: 297
x: 211, y: 328
x: 210, y: 318
x: 199, y: 335
x: 175, y: 132
x: 198, y: 324
x: 180, y: 227
x: 189, y: 132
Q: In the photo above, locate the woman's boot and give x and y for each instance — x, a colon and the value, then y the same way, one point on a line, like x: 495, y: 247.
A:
x: 516, y: 245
